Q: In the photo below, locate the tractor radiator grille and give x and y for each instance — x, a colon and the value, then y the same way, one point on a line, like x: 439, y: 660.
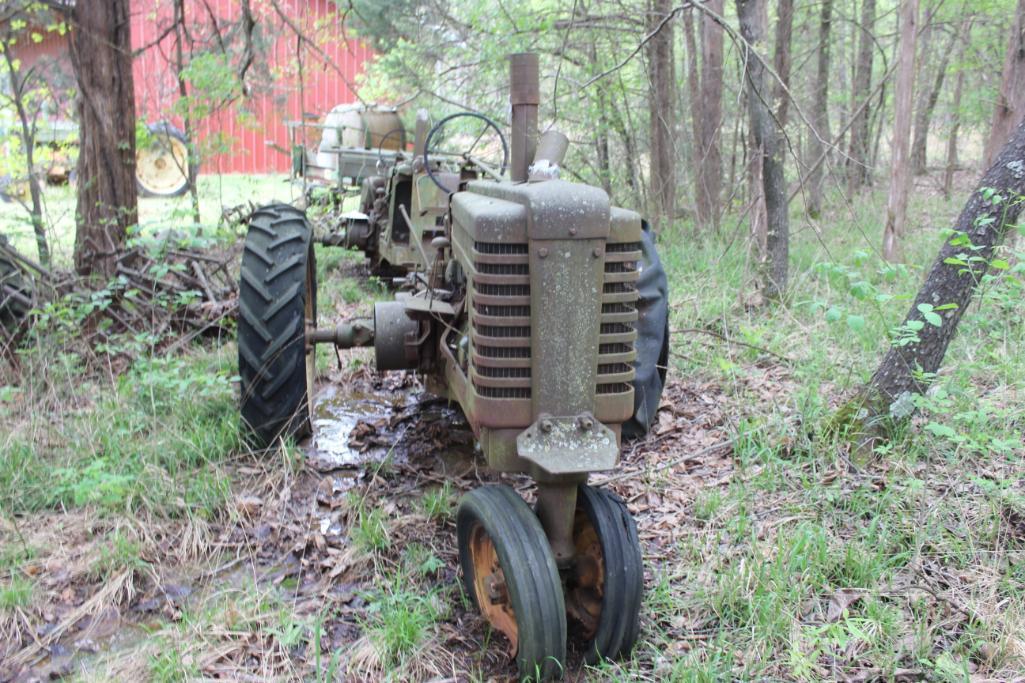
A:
x: 500, y: 365
x: 618, y: 319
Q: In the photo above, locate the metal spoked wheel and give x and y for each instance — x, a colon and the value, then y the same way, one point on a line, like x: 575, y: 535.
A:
x: 509, y: 572
x: 604, y: 591
x: 162, y: 168
x: 277, y: 306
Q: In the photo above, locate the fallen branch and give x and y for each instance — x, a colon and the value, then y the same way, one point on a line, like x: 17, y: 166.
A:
x: 728, y: 340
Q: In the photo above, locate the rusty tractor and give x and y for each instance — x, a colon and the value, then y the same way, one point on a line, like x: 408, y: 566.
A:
x: 538, y: 308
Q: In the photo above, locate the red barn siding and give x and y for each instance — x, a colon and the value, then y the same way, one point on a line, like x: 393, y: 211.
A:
x: 326, y: 81
x: 157, y: 88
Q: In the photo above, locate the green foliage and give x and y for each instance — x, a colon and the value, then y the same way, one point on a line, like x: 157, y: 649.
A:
x: 437, y: 502
x: 400, y: 619
x: 152, y: 442
x: 370, y: 531
x: 15, y: 593
x: 120, y: 553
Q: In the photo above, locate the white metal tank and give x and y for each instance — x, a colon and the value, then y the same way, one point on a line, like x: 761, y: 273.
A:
x: 361, y: 127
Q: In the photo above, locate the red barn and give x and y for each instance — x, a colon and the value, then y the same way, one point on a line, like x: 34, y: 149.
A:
x: 251, y: 125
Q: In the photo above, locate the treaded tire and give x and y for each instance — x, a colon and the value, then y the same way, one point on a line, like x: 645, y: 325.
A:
x: 604, y: 525
x: 13, y: 283
x: 534, y: 589
x: 652, y: 338
x: 277, y: 295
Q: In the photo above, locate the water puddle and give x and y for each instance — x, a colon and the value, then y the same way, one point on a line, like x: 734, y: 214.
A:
x: 353, y: 427
x: 336, y: 414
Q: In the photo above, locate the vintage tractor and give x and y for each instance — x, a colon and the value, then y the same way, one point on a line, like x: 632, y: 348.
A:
x: 537, y: 307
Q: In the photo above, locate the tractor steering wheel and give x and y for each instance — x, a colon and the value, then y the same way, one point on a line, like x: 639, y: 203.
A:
x: 466, y: 155
x: 380, y: 146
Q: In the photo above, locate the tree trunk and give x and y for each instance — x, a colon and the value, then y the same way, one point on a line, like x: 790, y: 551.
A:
x: 629, y: 148
x: 955, y: 126
x: 601, y: 143
x: 663, y: 115
x: 705, y: 79
x: 820, y: 111
x: 947, y: 292
x: 781, y: 59
x: 1011, y: 103
x: 858, y: 169
x: 702, y: 210
x: 759, y: 218
x: 100, y: 49
x: 897, y: 203
x: 752, y: 18
x: 926, y: 106
x: 28, y: 143
x: 183, y: 92
x: 955, y: 116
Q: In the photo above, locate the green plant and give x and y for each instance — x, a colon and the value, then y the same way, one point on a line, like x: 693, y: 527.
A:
x: 400, y: 619
x: 17, y: 592
x: 437, y: 502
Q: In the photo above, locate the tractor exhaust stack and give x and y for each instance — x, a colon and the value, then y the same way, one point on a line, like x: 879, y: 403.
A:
x: 524, y: 95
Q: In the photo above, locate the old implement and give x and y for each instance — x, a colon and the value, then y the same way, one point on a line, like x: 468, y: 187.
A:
x: 536, y: 306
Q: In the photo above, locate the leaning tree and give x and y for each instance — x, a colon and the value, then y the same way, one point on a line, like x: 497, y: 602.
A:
x: 955, y: 275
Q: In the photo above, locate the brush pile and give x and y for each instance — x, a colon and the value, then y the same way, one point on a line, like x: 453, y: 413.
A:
x: 164, y: 293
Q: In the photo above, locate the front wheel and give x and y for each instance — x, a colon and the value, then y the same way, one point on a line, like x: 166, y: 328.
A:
x: 604, y: 590
x: 509, y: 572
x: 277, y: 303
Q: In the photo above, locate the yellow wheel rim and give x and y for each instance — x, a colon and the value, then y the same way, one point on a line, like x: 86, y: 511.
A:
x: 163, y: 167
x: 491, y: 588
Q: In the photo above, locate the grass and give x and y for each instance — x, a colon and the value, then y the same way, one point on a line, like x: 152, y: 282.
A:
x: 789, y: 567
x: 438, y: 503
x: 216, y: 193
x: 153, y: 439
x: 17, y: 592
x: 801, y: 562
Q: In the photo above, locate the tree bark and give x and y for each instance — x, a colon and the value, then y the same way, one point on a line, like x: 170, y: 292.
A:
x: 897, y: 203
x: 629, y: 147
x: 100, y: 49
x: 28, y: 142
x: 955, y: 115
x: 955, y: 127
x: 752, y: 18
x: 705, y: 78
x: 601, y: 143
x: 781, y: 59
x: 926, y: 106
x: 858, y: 170
x: 183, y: 93
x: 701, y: 200
x: 1011, y: 102
x: 663, y: 115
x: 993, y: 207
x: 820, y: 111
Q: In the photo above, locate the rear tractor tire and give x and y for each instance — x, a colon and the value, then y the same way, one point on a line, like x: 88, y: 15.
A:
x: 17, y: 293
x: 277, y: 304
